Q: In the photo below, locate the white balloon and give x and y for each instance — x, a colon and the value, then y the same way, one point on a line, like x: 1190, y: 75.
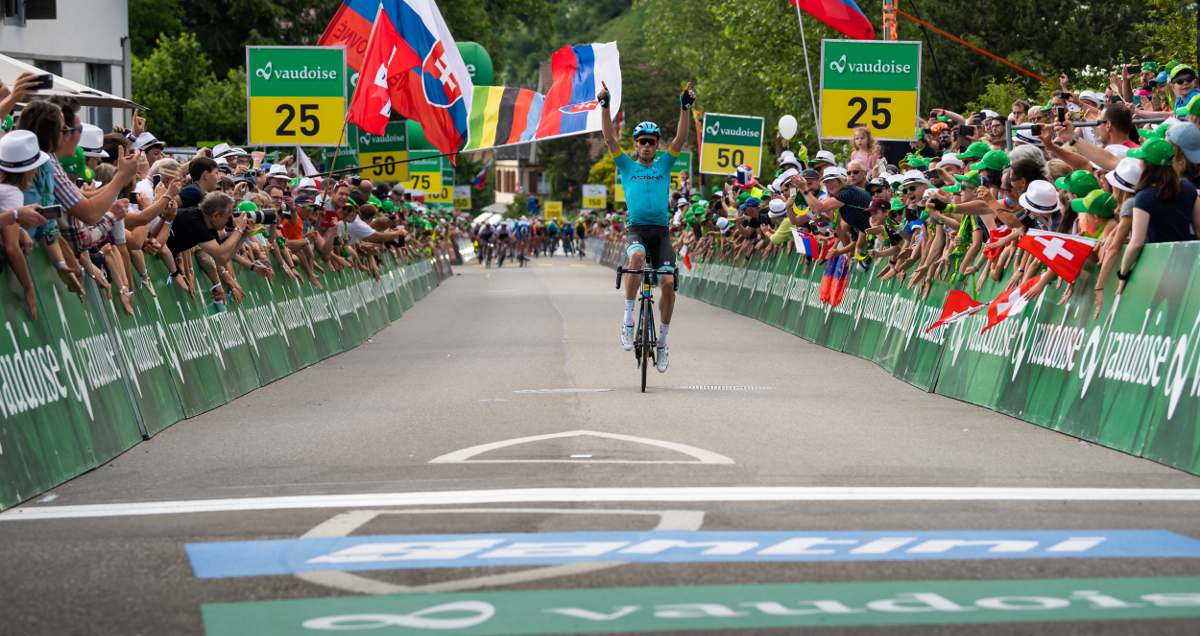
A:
x: 787, y: 126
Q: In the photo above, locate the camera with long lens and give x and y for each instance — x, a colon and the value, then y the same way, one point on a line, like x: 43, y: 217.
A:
x: 261, y: 217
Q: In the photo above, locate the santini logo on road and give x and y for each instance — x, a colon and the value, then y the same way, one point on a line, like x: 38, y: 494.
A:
x: 268, y: 71
x: 259, y: 558
x: 879, y: 66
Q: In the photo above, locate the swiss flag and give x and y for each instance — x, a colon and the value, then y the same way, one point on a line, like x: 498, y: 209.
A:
x: 371, y: 106
x: 1064, y: 254
x: 959, y: 305
x: 1009, y: 303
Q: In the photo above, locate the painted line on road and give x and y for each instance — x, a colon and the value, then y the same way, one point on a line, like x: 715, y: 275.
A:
x: 599, y: 495
x: 464, y: 456
x: 226, y: 559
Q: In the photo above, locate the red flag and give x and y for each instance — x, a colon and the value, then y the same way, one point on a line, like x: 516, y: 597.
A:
x: 995, y: 235
x: 959, y: 305
x: 372, y: 104
x: 843, y: 16
x: 1009, y: 303
x: 351, y: 28
x: 1064, y: 254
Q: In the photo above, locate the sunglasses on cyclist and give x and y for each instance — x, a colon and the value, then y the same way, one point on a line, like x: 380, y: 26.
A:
x: 647, y: 141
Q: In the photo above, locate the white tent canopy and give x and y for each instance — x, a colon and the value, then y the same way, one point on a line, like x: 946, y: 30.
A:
x: 11, y: 69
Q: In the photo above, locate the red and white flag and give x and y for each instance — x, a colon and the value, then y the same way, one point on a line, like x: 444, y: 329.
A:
x: 1064, y: 254
x: 959, y: 306
x: 1009, y: 303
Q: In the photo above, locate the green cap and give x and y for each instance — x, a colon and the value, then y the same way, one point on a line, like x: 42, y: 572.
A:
x: 689, y: 218
x: 916, y: 161
x: 76, y: 164
x: 1150, y: 66
x: 246, y: 206
x: 1097, y: 202
x: 897, y: 204
x: 975, y: 151
x: 374, y: 200
x: 972, y: 177
x: 388, y: 206
x: 993, y: 160
x: 1180, y: 69
x: 1160, y: 132
x: 695, y: 198
x: 1192, y: 108
x: 1158, y: 152
x: 952, y: 189
x: 743, y: 197
x: 1078, y: 183
x: 7, y: 124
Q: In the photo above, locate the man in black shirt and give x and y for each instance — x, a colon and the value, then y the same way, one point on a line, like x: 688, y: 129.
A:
x: 198, y: 226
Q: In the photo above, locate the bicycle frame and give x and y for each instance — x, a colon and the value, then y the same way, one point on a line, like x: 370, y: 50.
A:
x: 645, y: 341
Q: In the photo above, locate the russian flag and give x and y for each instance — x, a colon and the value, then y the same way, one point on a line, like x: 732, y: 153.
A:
x: 806, y: 243
x: 842, y: 16
x: 413, y: 52
x: 351, y: 28
x: 570, y: 106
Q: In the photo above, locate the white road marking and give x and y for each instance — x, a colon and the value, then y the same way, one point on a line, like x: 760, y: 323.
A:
x: 562, y: 391
x: 342, y: 525
x: 599, y: 495
x: 463, y: 456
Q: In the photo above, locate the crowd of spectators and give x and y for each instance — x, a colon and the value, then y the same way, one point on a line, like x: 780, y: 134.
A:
x: 1086, y: 164
x: 101, y: 203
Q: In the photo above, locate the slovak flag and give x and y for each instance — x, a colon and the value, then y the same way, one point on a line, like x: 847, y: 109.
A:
x: 414, y: 56
x: 482, y: 176
x: 570, y: 106
x: 959, y: 305
x: 1064, y: 254
x: 351, y: 28
x: 1009, y: 303
x: 806, y: 243
x: 842, y: 16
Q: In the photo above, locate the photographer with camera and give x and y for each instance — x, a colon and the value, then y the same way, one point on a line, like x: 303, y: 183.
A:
x: 200, y: 226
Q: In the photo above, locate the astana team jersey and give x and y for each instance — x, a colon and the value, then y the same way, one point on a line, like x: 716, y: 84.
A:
x: 647, y: 188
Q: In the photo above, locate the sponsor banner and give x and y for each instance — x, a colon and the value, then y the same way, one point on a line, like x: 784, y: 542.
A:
x: 295, y: 95
x: 731, y: 141
x: 718, y: 607
x: 405, y: 552
x: 872, y: 84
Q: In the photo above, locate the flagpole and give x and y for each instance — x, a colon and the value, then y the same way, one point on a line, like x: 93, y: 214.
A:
x: 346, y: 122
x: 808, y: 71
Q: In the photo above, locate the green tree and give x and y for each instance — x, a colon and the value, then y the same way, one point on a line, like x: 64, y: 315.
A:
x: 186, y: 102
x: 1169, y: 33
x: 567, y: 161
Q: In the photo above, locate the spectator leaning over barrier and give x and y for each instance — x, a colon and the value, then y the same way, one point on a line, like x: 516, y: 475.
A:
x: 1165, y: 208
x: 198, y: 227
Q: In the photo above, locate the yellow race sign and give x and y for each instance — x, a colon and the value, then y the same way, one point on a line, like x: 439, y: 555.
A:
x: 444, y: 194
x: 730, y: 141
x: 430, y: 182
x: 595, y: 196
x: 872, y: 84
x: 462, y: 197
x: 553, y: 210
x: 393, y: 172
x: 307, y: 121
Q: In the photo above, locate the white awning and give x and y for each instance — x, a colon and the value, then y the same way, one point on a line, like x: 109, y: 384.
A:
x: 11, y: 69
x: 481, y: 217
x: 496, y: 208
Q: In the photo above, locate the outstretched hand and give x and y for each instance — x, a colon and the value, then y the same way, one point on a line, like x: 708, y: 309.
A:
x: 604, y: 97
x: 687, y: 97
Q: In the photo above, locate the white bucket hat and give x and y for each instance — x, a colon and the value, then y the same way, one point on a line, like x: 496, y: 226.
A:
x: 91, y: 139
x: 834, y: 172
x: 19, y: 152
x: 723, y: 224
x: 788, y: 158
x: 146, y: 140
x: 914, y: 176
x: 278, y: 170
x: 1126, y: 175
x: 950, y: 159
x: 1041, y: 198
x: 825, y: 156
x: 778, y: 207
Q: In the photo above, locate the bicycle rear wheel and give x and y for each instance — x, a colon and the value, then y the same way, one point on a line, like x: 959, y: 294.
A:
x: 646, y: 337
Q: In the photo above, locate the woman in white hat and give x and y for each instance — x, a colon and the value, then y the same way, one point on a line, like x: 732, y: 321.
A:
x: 21, y: 223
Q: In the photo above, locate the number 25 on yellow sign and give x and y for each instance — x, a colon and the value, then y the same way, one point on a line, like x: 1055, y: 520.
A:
x: 296, y: 120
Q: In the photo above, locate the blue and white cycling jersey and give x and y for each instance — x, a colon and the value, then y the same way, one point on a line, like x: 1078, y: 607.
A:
x: 521, y: 230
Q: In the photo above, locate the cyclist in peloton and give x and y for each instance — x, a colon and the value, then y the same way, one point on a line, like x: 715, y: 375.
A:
x: 551, y: 237
x: 486, y: 235
x: 647, y: 194
x: 521, y: 233
x: 568, y: 232
x: 503, y: 241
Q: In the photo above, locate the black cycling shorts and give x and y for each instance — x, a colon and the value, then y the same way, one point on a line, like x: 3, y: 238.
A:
x: 654, y: 241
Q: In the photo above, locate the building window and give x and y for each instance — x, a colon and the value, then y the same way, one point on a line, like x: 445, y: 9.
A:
x: 14, y: 13
x: 41, y: 9
x: 50, y: 66
x: 99, y: 77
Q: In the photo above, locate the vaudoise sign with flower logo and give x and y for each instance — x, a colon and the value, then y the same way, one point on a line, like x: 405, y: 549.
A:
x: 872, y: 84
x: 730, y: 141
x: 295, y: 95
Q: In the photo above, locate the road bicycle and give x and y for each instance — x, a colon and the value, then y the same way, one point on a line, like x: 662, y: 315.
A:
x: 645, y: 339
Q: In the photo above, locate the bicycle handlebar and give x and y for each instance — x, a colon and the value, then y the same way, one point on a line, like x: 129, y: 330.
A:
x: 645, y: 271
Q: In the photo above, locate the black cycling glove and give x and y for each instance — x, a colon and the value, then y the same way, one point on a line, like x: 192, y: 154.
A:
x: 604, y: 98
x: 686, y: 99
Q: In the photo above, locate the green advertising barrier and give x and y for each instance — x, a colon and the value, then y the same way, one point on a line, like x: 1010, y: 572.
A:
x: 87, y: 381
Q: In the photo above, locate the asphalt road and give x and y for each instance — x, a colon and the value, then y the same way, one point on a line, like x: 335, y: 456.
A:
x: 825, y: 444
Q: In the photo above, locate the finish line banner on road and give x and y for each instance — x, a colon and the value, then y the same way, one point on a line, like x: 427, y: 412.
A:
x: 708, y: 607
x: 395, y: 552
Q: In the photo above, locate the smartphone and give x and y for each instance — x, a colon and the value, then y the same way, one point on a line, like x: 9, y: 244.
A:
x: 1066, y: 96
x: 45, y: 82
x: 79, y: 183
x: 51, y: 212
x: 1115, y: 99
x: 1036, y: 130
x: 966, y: 131
x: 1061, y: 114
x: 931, y: 174
x: 1132, y: 69
x: 156, y: 179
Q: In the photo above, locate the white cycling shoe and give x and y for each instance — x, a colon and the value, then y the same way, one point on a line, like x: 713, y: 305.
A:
x: 664, y: 360
x: 627, y: 338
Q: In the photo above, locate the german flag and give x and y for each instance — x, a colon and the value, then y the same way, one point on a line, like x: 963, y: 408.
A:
x: 502, y: 115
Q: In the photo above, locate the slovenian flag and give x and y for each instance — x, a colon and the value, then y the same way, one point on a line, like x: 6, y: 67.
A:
x: 414, y: 64
x: 351, y: 28
x: 842, y: 16
x: 806, y: 243
x: 482, y: 176
x: 570, y: 107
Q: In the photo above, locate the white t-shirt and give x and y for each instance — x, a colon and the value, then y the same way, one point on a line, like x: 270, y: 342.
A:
x: 357, y: 229
x: 10, y: 198
x: 145, y: 187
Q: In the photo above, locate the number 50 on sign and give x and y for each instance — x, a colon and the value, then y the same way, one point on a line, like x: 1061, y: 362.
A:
x: 873, y: 84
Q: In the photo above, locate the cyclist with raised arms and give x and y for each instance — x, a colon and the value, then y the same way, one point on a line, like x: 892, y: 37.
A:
x: 647, y: 195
